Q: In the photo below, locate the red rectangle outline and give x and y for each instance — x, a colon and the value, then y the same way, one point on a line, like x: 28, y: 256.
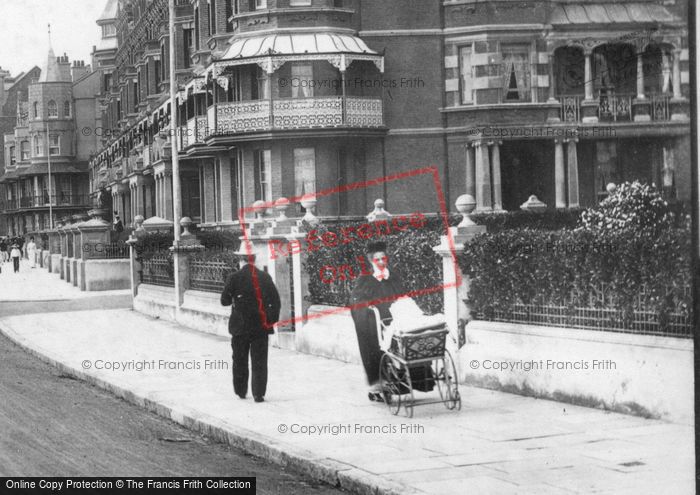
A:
x: 433, y: 170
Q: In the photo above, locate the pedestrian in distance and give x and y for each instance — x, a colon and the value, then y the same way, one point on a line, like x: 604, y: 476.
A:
x: 118, y: 225
x: 15, y: 254
x: 31, y: 252
x: 4, y: 256
x: 256, y: 308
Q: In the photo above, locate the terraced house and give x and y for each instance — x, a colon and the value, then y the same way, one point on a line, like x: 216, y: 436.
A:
x: 280, y: 98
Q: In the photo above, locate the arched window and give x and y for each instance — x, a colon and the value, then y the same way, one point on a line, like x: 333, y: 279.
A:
x: 52, y: 109
x: 66, y: 109
x: 36, y: 110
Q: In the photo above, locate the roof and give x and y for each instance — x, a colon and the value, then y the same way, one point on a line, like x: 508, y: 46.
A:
x: 51, y: 72
x: 109, y: 13
x: 301, y: 46
x: 296, y: 44
x: 611, y: 13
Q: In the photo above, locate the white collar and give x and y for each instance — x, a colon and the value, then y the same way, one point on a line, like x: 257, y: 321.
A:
x: 380, y: 274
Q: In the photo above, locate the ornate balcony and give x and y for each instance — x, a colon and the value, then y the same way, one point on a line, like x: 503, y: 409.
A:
x: 618, y: 107
x: 299, y: 113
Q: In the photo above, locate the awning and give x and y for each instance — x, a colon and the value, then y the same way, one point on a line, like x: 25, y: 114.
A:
x: 612, y: 13
x: 10, y: 175
x: 272, y: 51
x: 43, y: 169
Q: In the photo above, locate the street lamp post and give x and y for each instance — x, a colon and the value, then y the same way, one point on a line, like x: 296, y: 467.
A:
x: 177, y: 207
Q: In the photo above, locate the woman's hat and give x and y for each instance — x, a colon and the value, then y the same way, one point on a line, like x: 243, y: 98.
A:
x: 375, y: 247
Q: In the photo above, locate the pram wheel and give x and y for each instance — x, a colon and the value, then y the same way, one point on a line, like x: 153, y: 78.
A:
x: 448, y: 383
x: 390, y: 381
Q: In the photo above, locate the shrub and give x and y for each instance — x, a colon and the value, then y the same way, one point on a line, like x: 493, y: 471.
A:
x: 632, y: 206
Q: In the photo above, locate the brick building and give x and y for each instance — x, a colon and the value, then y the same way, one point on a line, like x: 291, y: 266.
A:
x: 58, y: 101
x: 279, y: 98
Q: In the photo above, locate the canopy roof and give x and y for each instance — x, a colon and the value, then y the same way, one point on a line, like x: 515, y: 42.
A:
x: 611, y: 13
x: 273, y: 50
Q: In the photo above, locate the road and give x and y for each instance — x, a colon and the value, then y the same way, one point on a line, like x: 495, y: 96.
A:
x: 53, y: 425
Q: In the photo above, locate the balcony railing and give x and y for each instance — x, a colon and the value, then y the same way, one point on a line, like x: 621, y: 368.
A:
x: 299, y: 113
x: 615, y: 107
x: 43, y: 201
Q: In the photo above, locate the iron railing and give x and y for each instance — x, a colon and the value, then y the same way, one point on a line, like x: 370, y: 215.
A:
x: 158, y: 270
x: 599, y: 312
x: 109, y: 251
x: 209, y: 276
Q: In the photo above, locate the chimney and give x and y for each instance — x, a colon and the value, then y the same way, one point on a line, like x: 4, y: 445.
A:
x: 79, y: 69
x: 64, y: 67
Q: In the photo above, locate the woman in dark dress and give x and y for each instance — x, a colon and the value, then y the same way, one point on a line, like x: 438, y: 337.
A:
x: 381, y: 284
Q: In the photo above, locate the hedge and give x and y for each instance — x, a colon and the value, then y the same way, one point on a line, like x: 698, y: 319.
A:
x: 546, y: 268
x: 219, y: 245
x: 410, y: 256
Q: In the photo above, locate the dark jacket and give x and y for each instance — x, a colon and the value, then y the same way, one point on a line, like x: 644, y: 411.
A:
x: 241, y: 291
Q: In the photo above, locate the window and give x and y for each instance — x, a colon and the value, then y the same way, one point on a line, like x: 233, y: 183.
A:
x: 263, y: 171
x: 212, y: 17
x: 516, y: 72
x: 38, y: 145
x: 187, y: 45
x: 36, y: 110
x: 109, y: 30
x: 158, y: 71
x: 299, y: 3
x: 13, y: 160
x: 261, y: 84
x: 52, y: 109
x: 231, y: 10
x: 257, y: 4
x: 66, y: 109
x: 54, y: 145
x: 465, y: 73
x: 338, y: 4
x: 304, y: 171
x: 196, y: 29
x: 302, y: 80
x: 24, y: 150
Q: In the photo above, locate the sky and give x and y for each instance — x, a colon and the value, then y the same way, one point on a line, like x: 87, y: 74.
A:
x: 24, y: 31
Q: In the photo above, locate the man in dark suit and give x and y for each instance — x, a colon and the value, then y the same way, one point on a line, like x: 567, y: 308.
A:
x: 251, y: 292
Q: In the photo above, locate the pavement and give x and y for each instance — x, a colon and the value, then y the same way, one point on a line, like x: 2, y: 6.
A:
x: 317, y: 418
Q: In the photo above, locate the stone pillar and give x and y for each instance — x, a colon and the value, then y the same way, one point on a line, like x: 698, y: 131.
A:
x: 588, y: 76
x: 589, y: 106
x: 496, y: 175
x: 573, y: 173
x: 677, y: 94
x: 550, y: 60
x: 559, y: 174
x: 455, y: 285
x: 471, y: 171
x: 279, y: 266
x: 640, y: 75
x: 182, y: 252
x: 483, y: 178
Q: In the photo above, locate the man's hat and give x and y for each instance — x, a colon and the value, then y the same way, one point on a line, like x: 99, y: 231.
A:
x: 245, y: 250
